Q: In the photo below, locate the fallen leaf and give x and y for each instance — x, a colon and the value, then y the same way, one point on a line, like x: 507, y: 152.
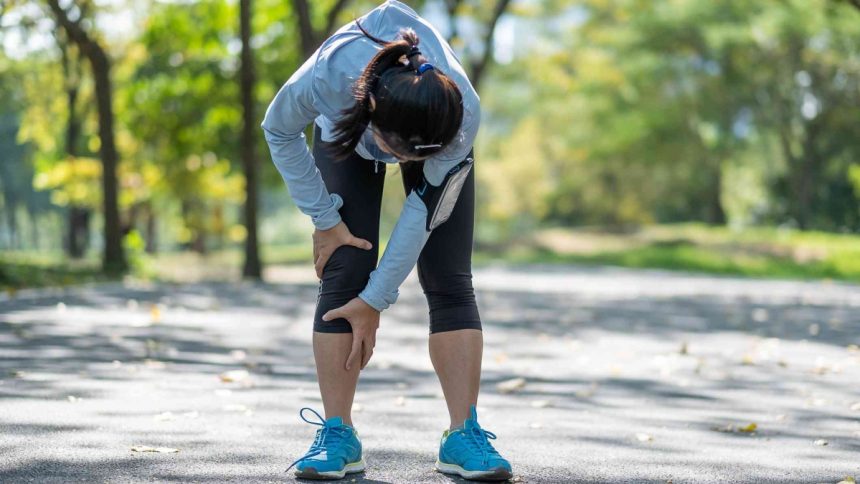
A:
x: 730, y: 428
x: 160, y: 450
x: 155, y: 314
x: 239, y: 408
x: 511, y: 386
x: 234, y: 376
x: 588, y: 392
x: 154, y: 364
x: 847, y: 480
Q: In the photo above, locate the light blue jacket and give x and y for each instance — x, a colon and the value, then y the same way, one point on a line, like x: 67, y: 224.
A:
x: 319, y: 91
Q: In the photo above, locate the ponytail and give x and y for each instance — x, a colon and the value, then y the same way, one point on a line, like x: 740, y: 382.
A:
x: 418, y: 108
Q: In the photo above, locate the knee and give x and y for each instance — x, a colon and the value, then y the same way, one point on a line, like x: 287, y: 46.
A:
x: 450, y: 289
x: 452, y: 304
x: 344, y: 276
x: 348, y: 269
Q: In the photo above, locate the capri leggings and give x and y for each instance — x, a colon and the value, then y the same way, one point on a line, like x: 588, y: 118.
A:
x: 445, y: 263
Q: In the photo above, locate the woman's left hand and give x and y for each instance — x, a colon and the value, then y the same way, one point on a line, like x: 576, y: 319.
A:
x: 364, y: 321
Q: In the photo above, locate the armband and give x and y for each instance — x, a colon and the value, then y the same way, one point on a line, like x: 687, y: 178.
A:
x: 440, y: 200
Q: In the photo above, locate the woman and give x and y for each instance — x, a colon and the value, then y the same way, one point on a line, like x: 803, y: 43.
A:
x: 375, y: 102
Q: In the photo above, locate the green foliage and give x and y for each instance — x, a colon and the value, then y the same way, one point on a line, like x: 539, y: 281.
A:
x: 613, y: 113
x: 23, y: 270
x: 656, y: 111
x: 759, y: 252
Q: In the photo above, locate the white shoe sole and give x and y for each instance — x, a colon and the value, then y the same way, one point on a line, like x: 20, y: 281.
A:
x: 498, y: 474
x: 311, y: 473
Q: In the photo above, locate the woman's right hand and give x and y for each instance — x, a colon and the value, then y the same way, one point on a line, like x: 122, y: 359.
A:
x: 327, y: 241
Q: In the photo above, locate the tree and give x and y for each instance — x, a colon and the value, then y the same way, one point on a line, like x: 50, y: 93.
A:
x: 477, y: 65
x: 78, y: 216
x: 311, y: 37
x: 251, y: 267
x: 854, y: 3
x: 114, y: 257
x: 180, y: 105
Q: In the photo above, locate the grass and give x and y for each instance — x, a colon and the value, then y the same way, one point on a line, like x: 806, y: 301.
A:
x: 759, y: 252
x: 756, y: 252
x: 20, y: 270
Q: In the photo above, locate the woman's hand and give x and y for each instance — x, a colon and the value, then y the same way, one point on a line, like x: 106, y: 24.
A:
x: 327, y: 241
x: 364, y: 321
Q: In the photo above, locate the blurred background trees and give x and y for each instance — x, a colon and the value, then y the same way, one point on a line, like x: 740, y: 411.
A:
x: 139, y: 121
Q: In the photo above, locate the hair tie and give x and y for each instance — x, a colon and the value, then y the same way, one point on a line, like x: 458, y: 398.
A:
x: 413, y: 52
x: 424, y: 68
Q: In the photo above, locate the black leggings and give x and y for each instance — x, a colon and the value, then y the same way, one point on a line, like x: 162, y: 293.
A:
x: 445, y: 263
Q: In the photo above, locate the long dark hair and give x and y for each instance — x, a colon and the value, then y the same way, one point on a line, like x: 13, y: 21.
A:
x: 418, y: 108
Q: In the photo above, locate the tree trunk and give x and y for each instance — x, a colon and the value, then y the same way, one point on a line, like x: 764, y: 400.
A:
x: 479, y: 67
x: 113, y: 261
x: 77, y: 234
x: 309, y: 37
x: 150, y: 230
x: 252, y: 267
x: 78, y: 231
x: 716, y: 214
x: 114, y: 258
x: 307, y: 34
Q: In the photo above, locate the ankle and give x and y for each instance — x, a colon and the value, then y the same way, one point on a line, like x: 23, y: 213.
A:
x: 344, y: 419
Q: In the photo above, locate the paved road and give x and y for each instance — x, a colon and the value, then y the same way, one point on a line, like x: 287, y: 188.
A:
x: 629, y: 376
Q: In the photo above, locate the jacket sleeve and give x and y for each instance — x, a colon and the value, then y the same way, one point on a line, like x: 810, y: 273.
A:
x: 286, y: 119
x: 410, y: 233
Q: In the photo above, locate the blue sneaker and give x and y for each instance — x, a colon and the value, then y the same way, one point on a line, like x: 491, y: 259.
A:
x: 336, y: 450
x: 467, y: 452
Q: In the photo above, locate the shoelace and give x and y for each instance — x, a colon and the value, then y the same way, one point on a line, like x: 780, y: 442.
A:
x: 326, y: 436
x: 477, y: 439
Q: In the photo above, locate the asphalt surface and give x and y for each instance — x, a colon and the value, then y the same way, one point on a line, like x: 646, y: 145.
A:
x: 590, y: 375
